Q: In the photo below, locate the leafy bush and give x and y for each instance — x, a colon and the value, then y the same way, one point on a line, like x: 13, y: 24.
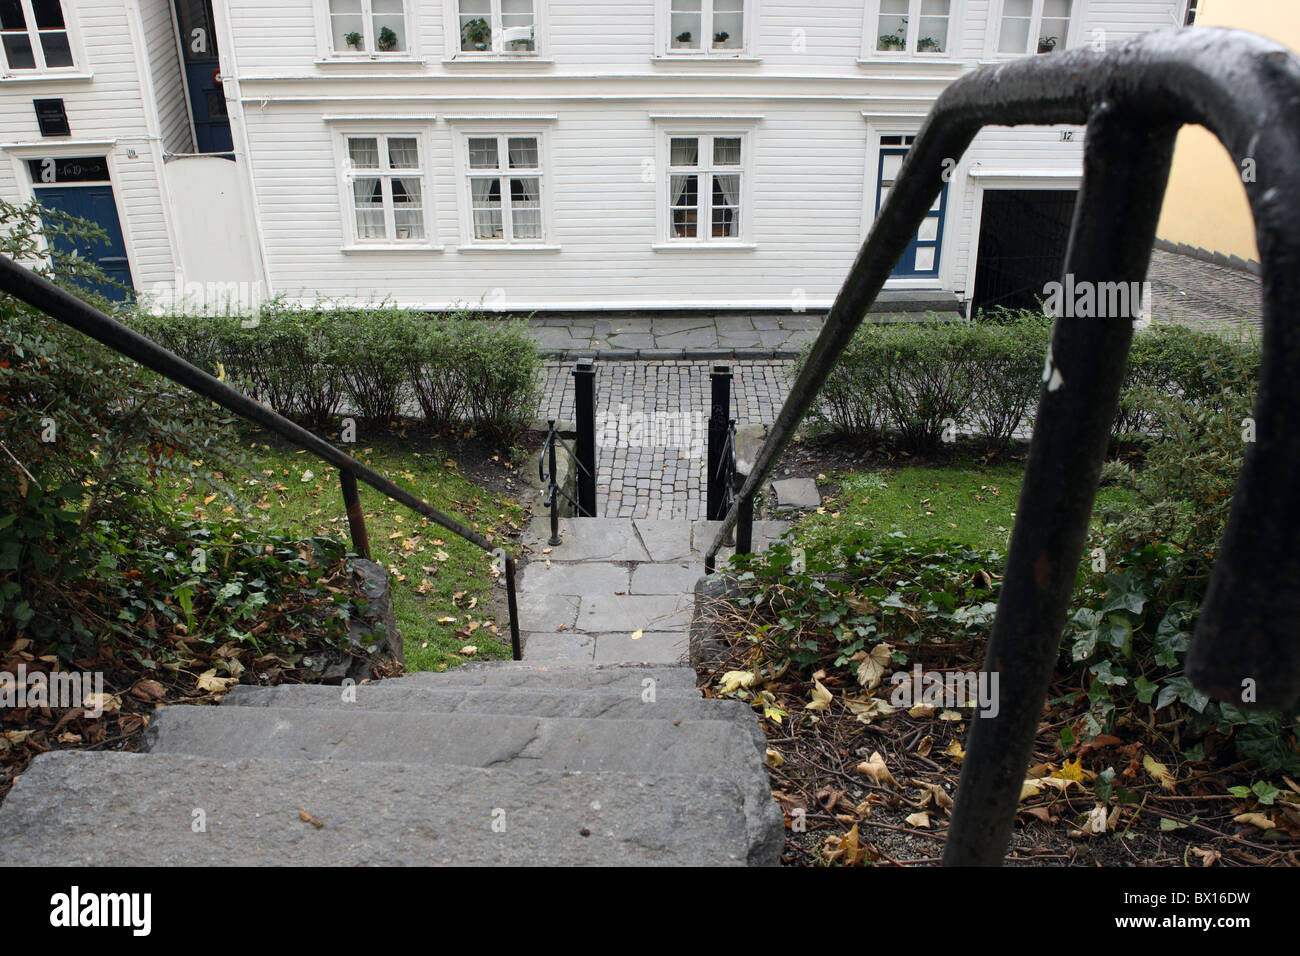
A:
x: 309, y: 362
x: 915, y: 379
x: 85, y: 432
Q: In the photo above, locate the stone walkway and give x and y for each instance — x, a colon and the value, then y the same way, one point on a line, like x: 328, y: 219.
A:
x: 616, y: 589
x: 655, y: 416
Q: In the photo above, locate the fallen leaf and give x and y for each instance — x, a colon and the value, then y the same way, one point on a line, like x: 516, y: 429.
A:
x: 873, y: 708
x: 306, y: 817
x: 920, y: 820
x: 875, y: 769
x: 821, y: 697
x: 774, y: 758
x: 1256, y: 820
x: 735, y: 680
x: 955, y: 751
x: 845, y: 849
x: 872, y: 670
x: 1159, y: 772
x: 638, y: 634
x: 210, y: 682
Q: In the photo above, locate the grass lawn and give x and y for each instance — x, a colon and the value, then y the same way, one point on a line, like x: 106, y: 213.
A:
x: 969, y: 503
x: 442, y: 587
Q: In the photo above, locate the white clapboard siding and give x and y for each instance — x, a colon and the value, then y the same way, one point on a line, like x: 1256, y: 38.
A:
x: 805, y: 74
x: 110, y: 107
x: 165, y: 68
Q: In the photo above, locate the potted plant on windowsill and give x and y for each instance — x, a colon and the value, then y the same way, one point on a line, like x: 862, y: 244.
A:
x: 684, y: 37
x: 928, y: 45
x: 896, y: 40
x: 476, y: 34
x: 721, y: 37
x: 1046, y: 44
x: 387, y: 41
x: 354, y: 40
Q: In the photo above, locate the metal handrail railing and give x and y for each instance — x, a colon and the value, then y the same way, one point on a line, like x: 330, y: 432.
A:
x: 1133, y: 100
x: 63, y: 306
x: 547, y: 471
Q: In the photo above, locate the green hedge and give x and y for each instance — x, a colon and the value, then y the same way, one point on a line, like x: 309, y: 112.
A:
x: 460, y: 370
x: 918, y: 379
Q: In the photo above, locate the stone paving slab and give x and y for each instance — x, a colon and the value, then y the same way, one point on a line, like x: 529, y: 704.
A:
x: 584, y: 540
x: 797, y: 494
x: 561, y: 646
x: 676, y: 578
x: 547, y: 611
x: 632, y: 612
x: 653, y: 647
x: 121, y: 809
x: 587, y: 577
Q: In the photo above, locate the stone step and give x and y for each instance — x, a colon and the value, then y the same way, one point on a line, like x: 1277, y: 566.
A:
x: 566, y: 674
x: 690, y: 747
x: 119, y: 809
x: 401, y: 694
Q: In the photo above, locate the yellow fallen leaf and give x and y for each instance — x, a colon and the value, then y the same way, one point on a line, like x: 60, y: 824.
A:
x: 950, y: 715
x: 875, y: 769
x: 1030, y: 788
x: 846, y: 849
x: 735, y: 680
x: 774, y: 758
x: 469, y: 650
x: 1159, y: 772
x: 638, y: 634
x: 821, y: 697
x: 210, y: 682
x: 920, y: 820
x: 1256, y: 820
x: 954, y: 750
x: 1072, y: 770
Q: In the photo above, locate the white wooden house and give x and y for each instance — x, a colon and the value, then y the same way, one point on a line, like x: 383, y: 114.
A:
x: 608, y: 154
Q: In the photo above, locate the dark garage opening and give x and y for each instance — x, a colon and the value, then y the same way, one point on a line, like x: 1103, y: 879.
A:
x: 1023, y: 238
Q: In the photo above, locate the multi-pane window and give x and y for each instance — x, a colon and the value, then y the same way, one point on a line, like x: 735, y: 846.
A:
x: 497, y: 26
x: 1034, y: 26
x: 706, y: 26
x: 913, y: 26
x: 704, y: 180
x: 368, y: 26
x: 1190, y: 19
x: 34, y: 35
x: 921, y: 259
x: 505, y: 188
x: 386, y: 182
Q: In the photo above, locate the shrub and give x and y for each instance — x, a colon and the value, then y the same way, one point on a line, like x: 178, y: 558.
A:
x: 502, y: 376
x: 912, y: 378
x: 370, y: 350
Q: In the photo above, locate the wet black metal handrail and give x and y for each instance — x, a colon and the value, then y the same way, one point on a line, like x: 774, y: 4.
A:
x: 62, y: 306
x: 1133, y: 99
x: 547, y: 472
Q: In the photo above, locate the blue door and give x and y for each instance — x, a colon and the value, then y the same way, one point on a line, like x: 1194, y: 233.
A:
x: 202, y: 69
x: 96, y: 204
x: 921, y: 260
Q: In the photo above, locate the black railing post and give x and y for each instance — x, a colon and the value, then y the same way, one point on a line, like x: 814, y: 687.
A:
x: 356, y: 517
x: 584, y: 413
x: 745, y: 525
x: 719, y: 412
x: 513, y: 609
x: 552, y: 496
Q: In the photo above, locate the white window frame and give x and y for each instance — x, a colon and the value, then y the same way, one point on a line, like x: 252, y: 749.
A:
x: 344, y: 130
x: 325, y: 36
x: 994, y: 32
x: 705, y: 128
x: 503, y: 128
x: 69, y: 9
x: 871, y: 34
x: 664, y: 42
x: 541, y: 35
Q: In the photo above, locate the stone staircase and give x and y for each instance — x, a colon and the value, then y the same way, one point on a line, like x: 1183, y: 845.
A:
x: 489, y: 764
x: 597, y: 749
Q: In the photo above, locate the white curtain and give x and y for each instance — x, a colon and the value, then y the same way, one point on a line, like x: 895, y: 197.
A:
x: 486, y: 200
x: 526, y: 199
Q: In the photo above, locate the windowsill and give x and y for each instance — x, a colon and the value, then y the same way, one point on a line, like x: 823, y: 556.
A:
x: 941, y: 60
x: 498, y: 59
x: 391, y: 247
x: 371, y: 59
x: 696, y: 59
x: 47, y: 77
x: 695, y: 245
x: 508, y: 247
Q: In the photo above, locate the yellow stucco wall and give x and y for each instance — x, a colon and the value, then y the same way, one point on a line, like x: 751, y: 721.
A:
x: 1206, y: 202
